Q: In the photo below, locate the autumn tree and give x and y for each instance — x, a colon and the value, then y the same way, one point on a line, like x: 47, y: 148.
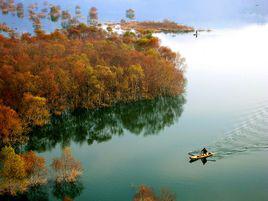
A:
x: 13, y: 175
x: 37, y: 23
x: 20, y: 10
x: 83, y: 67
x: 19, y: 172
x: 65, y: 19
x: 78, y: 13
x: 106, y: 78
x: 4, y: 28
x: 130, y: 14
x: 12, y: 8
x: 36, y: 171
x: 54, y: 13
x: 4, y: 7
x: 66, y: 168
x: 11, y: 126
x: 145, y: 193
x: 135, y: 76
x: 34, y: 110
x: 93, y: 16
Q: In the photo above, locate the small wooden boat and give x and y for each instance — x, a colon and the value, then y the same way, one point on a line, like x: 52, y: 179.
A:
x: 196, y: 157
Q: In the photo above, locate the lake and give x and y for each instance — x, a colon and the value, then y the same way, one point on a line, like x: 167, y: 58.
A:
x: 200, y: 14
x: 224, y: 108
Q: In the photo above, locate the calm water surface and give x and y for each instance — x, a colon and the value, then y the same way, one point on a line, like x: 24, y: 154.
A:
x: 224, y: 108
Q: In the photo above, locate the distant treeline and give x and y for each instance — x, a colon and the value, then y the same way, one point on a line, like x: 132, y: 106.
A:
x: 79, y: 67
x: 38, y: 13
x: 165, y: 26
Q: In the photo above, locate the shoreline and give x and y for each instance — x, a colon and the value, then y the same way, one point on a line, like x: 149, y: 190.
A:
x: 152, y: 26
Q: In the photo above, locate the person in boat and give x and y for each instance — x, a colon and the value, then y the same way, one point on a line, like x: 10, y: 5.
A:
x: 204, y: 151
x: 196, y: 33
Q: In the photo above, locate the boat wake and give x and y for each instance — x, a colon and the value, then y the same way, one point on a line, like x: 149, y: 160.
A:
x: 249, y: 134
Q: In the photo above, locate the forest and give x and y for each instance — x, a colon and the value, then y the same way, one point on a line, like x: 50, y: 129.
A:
x: 82, y: 67
x: 86, y: 67
x: 166, y: 26
x: 47, y: 75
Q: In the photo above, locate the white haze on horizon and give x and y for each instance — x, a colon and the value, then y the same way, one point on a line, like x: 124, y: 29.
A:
x: 231, y: 49
x: 226, y: 67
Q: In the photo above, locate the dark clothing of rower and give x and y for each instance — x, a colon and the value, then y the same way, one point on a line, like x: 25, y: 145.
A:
x: 204, y: 151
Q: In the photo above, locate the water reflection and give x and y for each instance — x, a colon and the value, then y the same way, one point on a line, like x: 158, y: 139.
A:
x: 203, y: 160
x: 141, y: 118
x: 147, y: 193
x: 40, y: 193
x: 69, y: 190
x: 61, y: 191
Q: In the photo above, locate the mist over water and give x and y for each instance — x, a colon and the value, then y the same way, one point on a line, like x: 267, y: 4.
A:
x: 227, y: 70
x: 224, y: 108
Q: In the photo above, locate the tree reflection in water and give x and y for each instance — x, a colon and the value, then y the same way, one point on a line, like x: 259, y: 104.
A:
x: 40, y: 193
x: 69, y: 190
x: 141, y: 118
x: 61, y: 191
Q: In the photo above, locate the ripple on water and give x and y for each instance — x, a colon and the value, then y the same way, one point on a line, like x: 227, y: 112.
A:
x: 250, y: 133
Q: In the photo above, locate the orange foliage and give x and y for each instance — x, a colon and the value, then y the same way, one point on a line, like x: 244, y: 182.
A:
x: 67, y: 199
x: 83, y: 67
x: 154, y: 26
x: 12, y: 173
x: 66, y: 167
x: 35, y: 168
x: 11, y: 128
x: 145, y: 193
x: 34, y: 110
x: 19, y: 172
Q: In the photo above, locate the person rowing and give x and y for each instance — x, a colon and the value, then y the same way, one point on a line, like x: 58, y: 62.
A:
x: 204, y: 151
x: 203, y: 154
x: 196, y: 33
